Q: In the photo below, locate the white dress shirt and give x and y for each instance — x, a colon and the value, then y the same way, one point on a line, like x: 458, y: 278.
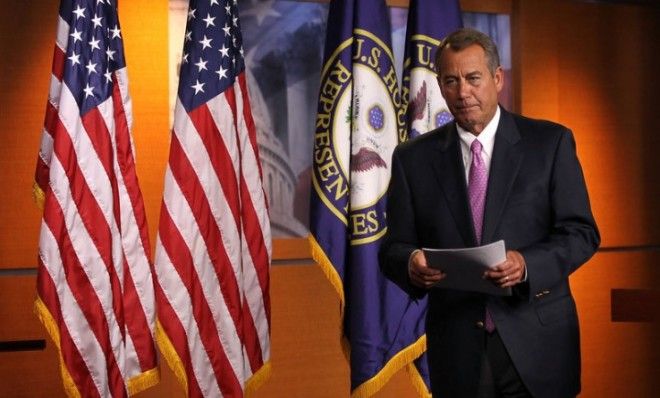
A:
x: 487, y: 140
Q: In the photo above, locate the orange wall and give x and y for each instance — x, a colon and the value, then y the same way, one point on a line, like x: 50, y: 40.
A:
x: 591, y: 67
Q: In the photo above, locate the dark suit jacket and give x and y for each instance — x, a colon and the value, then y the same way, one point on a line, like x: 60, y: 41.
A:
x: 537, y: 202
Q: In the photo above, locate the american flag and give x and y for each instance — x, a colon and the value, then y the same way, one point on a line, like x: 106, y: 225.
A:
x: 213, y: 248
x: 94, y: 283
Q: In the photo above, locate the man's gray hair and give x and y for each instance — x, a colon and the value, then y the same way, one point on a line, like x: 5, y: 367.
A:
x: 465, y: 37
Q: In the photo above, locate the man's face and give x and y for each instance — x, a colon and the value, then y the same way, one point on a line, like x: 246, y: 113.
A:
x: 468, y: 86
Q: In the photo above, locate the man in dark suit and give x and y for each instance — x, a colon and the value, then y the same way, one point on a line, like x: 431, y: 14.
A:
x: 521, y: 182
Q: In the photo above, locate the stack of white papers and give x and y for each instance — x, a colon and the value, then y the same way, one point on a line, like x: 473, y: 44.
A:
x: 465, y: 267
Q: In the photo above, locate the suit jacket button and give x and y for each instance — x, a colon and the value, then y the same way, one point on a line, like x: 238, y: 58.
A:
x: 480, y: 324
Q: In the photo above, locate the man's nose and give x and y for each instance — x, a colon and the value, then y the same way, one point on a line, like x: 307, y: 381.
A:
x: 463, y: 88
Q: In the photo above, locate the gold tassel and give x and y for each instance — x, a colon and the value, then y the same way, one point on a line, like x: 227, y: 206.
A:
x: 171, y: 357
x: 257, y: 379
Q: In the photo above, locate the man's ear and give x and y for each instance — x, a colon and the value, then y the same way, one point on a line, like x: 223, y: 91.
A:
x: 499, y: 78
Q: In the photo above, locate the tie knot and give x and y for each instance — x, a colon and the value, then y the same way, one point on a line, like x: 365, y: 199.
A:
x: 476, y: 147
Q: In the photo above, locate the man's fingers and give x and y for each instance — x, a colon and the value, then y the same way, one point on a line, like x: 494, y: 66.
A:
x: 426, y: 280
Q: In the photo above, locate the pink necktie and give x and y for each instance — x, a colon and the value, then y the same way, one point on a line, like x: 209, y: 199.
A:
x: 477, y: 182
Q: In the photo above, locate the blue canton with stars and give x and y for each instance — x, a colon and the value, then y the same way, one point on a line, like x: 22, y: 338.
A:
x: 94, y: 50
x: 212, y: 51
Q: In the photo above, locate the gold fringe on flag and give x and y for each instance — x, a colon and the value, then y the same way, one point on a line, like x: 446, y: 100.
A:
x: 47, y: 320
x: 396, y: 363
x: 171, y: 356
x: 258, y: 379
x: 135, y: 384
x: 38, y: 195
x: 417, y: 380
x: 402, y: 359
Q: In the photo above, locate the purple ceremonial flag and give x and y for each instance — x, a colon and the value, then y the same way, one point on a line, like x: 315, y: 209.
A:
x: 359, y: 123
x: 429, y: 21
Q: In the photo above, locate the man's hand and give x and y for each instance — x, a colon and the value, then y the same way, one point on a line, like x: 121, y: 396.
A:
x: 421, y: 275
x: 508, y: 273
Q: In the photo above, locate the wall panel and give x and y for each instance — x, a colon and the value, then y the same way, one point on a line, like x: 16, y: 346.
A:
x: 590, y: 66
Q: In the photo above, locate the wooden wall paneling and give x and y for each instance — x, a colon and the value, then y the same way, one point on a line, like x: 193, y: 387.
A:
x: 588, y: 66
x: 306, y: 353
x: 31, y: 374
x: 291, y: 249
x: 17, y: 294
x: 27, y: 37
x: 618, y: 358
x: 607, y: 95
x: 535, y: 41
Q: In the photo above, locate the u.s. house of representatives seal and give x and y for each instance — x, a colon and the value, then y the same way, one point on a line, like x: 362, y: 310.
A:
x: 359, y: 122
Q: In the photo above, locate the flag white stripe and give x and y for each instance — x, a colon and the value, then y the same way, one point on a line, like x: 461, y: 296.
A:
x: 106, y: 111
x: 54, y: 91
x: 62, y: 34
x: 122, y: 85
x: 222, y: 116
x: 88, y: 162
x: 130, y: 233
x: 87, y: 254
x: 131, y: 247
x: 177, y: 295
x: 75, y: 322
x: 254, y: 297
x: 92, y: 256
x: 183, y: 218
x: 252, y: 287
x: 252, y: 176
x: 46, y: 147
x: 195, y: 151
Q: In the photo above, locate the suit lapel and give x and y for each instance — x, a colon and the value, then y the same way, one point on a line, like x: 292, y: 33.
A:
x: 504, y: 167
x: 450, y: 173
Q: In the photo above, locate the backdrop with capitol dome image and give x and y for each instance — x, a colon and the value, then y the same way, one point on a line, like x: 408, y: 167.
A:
x: 283, y: 46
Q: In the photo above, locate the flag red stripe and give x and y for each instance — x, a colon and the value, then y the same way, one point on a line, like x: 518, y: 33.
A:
x: 82, y: 289
x: 177, y: 334
x: 257, y: 246
x: 92, y: 216
x: 102, y: 142
x: 190, y: 186
x: 41, y: 174
x: 127, y: 167
x: 179, y: 254
x: 88, y: 188
x: 251, y: 225
x: 251, y: 344
x: 72, y: 359
x: 136, y: 320
x: 58, y: 63
x: 137, y: 324
x: 51, y: 120
x: 219, y: 155
x: 249, y: 121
